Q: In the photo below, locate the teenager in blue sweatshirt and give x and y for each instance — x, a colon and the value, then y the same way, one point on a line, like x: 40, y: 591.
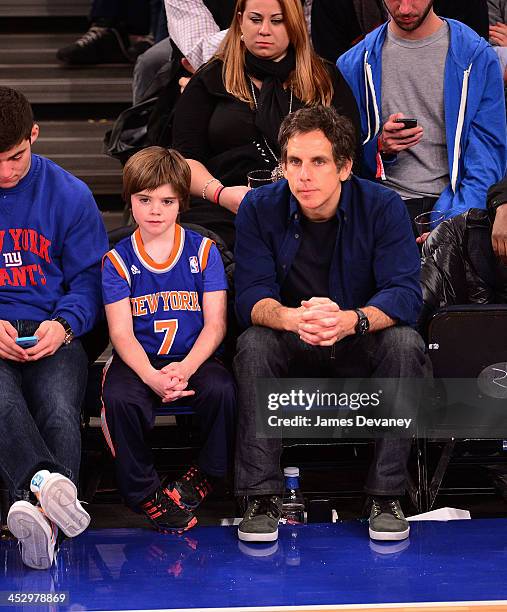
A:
x: 52, y: 239
x: 448, y: 77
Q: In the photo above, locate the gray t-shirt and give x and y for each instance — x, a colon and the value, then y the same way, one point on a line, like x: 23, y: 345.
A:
x: 413, y: 84
x: 497, y: 11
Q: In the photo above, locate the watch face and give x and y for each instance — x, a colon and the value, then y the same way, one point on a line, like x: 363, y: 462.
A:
x: 363, y: 326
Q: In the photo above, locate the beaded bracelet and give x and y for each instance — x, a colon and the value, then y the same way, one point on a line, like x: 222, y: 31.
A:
x: 216, y: 196
x: 206, y: 185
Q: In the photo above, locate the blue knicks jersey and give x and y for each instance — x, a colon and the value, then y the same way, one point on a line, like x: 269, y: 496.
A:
x: 166, y: 298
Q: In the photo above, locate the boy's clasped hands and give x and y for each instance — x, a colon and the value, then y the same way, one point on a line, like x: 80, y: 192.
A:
x: 170, y: 382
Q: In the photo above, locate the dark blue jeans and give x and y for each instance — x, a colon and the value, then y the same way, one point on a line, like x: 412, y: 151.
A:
x: 396, y: 352
x: 40, y: 408
x: 136, y: 15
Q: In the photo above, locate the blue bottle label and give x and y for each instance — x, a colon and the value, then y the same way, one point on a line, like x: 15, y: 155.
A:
x: 292, y: 482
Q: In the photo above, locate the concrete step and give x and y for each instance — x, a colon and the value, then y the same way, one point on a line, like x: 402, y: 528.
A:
x: 69, y: 90
x: 18, y: 49
x: 44, y: 8
x: 75, y: 130
x: 78, y: 137
x: 50, y: 40
x: 54, y: 70
x: 28, y: 63
x: 103, y: 176
x: 77, y: 147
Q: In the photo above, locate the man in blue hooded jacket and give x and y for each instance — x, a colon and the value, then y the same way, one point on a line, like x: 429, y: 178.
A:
x: 444, y: 75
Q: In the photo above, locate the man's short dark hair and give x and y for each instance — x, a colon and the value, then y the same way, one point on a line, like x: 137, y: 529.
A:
x: 16, y: 118
x: 336, y: 128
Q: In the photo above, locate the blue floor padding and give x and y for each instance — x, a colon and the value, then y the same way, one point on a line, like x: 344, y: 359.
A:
x: 312, y: 564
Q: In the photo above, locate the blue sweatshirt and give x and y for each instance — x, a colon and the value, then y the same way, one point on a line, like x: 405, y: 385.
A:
x: 474, y: 113
x: 52, y: 240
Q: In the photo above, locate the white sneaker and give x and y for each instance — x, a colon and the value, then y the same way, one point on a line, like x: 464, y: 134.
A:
x: 58, y: 497
x: 35, y: 533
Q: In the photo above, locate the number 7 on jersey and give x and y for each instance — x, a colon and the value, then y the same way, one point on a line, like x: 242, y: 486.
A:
x: 169, y: 327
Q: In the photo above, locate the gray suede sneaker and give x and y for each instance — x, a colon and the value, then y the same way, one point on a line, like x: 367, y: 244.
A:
x: 260, y: 522
x: 387, y: 521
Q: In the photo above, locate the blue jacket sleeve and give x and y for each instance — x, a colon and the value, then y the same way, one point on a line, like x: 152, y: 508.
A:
x: 484, y: 152
x: 85, y: 243
x: 397, y: 265
x: 255, y: 270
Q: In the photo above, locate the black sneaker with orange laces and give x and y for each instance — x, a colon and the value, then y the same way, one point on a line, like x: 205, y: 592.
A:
x: 166, y: 515
x: 191, y: 489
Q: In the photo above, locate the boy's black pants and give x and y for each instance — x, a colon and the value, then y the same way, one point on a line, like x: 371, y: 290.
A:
x: 128, y: 415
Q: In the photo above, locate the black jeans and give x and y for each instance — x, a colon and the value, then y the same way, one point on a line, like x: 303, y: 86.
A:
x: 128, y: 415
x: 135, y: 15
x: 396, y: 352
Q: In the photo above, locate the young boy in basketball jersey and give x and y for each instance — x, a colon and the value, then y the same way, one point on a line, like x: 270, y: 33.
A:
x: 164, y: 291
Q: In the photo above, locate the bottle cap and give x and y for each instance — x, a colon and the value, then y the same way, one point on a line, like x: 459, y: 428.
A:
x: 291, y: 471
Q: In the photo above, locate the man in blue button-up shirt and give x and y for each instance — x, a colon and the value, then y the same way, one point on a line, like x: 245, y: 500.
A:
x: 327, y: 277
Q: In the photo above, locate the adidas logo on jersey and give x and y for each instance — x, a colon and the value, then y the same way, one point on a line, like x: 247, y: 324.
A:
x: 135, y: 269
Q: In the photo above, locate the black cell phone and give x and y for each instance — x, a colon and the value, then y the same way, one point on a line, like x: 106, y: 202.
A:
x: 407, y: 123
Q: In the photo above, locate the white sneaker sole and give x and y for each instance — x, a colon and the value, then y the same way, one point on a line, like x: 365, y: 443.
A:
x: 58, y: 498
x: 389, y: 536
x: 245, y: 536
x: 33, y: 532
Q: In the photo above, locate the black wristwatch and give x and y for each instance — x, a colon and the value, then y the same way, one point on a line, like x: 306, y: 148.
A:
x: 69, y: 334
x: 362, y: 325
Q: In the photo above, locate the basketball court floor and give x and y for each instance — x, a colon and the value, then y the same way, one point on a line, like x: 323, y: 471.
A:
x: 457, y: 565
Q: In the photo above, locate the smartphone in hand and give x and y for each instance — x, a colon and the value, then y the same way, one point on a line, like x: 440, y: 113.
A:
x: 27, y: 341
x: 407, y: 122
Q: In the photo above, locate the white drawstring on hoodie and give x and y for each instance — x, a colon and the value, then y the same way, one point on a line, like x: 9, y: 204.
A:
x: 368, y: 82
x: 370, y: 89
x: 459, y: 128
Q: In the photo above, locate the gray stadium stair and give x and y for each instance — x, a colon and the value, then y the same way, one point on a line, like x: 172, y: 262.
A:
x: 74, y: 105
x: 76, y: 145
x: 44, y: 8
x: 32, y: 48
x: 28, y: 63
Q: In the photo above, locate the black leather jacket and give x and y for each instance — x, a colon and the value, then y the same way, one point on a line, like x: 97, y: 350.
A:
x: 497, y: 194
x: 459, y: 266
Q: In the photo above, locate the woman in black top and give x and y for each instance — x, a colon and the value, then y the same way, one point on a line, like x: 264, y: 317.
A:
x: 227, y: 120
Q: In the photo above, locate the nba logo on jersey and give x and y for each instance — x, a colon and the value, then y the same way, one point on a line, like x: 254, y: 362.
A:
x: 194, y: 264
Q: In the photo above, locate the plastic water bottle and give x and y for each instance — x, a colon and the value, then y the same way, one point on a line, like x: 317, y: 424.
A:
x: 293, y: 506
